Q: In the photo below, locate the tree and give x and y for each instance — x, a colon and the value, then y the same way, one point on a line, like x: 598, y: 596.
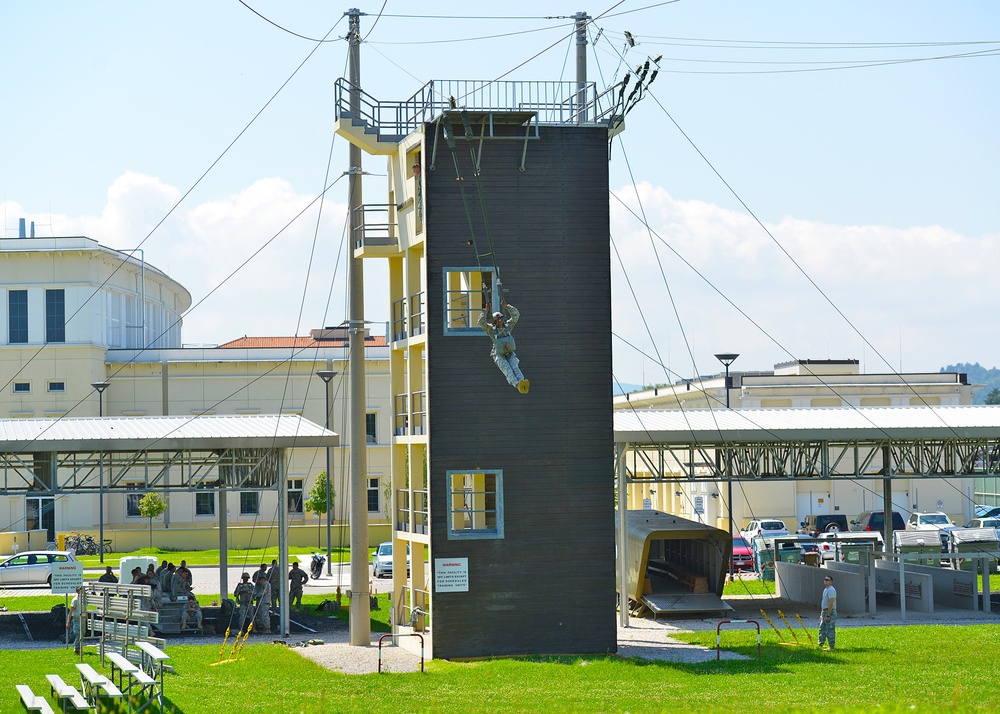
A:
x: 317, y: 500
x: 151, y: 506
x: 993, y: 396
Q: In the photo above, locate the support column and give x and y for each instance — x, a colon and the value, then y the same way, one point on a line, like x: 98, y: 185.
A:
x: 581, y: 66
x: 622, y: 538
x: 283, y: 542
x: 360, y: 608
x: 223, y: 546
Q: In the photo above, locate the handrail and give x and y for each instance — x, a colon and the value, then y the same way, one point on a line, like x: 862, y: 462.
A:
x: 401, y: 634
x: 552, y: 102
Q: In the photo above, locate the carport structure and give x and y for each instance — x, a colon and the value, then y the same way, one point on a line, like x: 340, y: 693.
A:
x: 168, y: 454
x: 803, y: 444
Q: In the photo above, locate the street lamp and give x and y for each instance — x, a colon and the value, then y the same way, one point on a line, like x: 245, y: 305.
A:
x: 100, y: 387
x: 326, y: 375
x: 727, y: 358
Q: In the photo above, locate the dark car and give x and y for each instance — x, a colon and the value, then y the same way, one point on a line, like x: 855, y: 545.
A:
x: 875, y: 521
x: 813, y: 525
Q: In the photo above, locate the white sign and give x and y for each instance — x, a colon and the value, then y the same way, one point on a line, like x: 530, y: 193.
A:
x: 451, y: 575
x: 940, y: 503
x: 67, y: 577
x: 699, y: 505
x: 647, y: 504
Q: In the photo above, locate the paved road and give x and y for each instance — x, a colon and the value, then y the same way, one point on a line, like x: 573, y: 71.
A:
x: 206, y: 580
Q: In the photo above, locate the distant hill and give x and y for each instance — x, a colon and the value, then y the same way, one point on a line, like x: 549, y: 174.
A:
x: 625, y: 388
x: 977, y: 375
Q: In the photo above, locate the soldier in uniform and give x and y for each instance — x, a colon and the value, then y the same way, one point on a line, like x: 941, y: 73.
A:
x: 298, y: 578
x: 192, y: 614
x: 274, y: 578
x: 244, y: 598
x: 499, y: 328
x: 828, y: 613
x: 262, y: 598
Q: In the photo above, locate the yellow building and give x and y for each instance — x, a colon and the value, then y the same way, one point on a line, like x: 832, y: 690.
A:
x: 78, y: 314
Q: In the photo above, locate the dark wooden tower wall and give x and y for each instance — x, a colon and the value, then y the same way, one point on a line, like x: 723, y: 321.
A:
x: 548, y: 586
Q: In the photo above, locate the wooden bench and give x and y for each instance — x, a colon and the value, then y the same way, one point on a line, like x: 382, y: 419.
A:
x: 95, y: 685
x: 67, y: 694
x: 30, y: 702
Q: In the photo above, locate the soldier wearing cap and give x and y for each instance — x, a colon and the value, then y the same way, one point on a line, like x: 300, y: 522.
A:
x: 262, y: 597
x: 244, y: 597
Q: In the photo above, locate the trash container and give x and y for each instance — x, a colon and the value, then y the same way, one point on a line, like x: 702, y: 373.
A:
x: 811, y: 559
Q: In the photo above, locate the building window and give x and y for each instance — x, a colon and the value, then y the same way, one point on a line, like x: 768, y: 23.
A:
x: 57, y: 387
x: 475, y: 504
x: 249, y: 503
x: 132, y: 500
x: 373, y: 495
x: 204, y: 503
x: 370, y: 434
x: 17, y: 317
x: 295, y: 495
x: 22, y: 387
x: 55, y: 315
x: 467, y: 293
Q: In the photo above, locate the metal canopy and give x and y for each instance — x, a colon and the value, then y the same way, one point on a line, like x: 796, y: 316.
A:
x: 169, y: 453
x: 810, y: 443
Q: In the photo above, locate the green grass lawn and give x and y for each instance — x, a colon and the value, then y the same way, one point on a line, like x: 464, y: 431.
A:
x: 885, y: 669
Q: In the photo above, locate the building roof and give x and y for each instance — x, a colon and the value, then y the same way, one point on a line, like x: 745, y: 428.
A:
x: 685, y: 426
x: 297, y: 342
x: 167, y: 433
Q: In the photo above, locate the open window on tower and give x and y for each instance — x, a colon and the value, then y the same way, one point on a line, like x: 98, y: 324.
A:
x: 467, y: 292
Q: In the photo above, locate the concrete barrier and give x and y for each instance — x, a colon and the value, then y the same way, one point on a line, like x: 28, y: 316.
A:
x: 804, y: 584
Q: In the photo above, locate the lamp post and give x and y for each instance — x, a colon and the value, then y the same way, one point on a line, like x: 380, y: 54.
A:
x: 727, y: 358
x: 326, y: 375
x: 100, y: 387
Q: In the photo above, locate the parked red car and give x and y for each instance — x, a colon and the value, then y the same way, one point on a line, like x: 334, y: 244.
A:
x: 742, y: 554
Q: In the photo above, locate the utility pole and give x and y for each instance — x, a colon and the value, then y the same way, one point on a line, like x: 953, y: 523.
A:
x: 727, y: 358
x: 361, y: 631
x: 581, y: 19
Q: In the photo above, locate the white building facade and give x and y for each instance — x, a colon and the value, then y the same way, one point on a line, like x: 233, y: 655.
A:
x: 76, y: 314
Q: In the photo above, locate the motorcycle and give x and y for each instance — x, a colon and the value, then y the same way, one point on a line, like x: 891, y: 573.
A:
x: 316, y: 567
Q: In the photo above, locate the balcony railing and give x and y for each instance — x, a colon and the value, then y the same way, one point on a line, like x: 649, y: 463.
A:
x: 373, y: 225
x: 399, y: 320
x: 552, y: 102
x: 412, y: 516
x: 416, y: 314
x: 401, y: 415
x: 408, y: 317
x: 419, y: 414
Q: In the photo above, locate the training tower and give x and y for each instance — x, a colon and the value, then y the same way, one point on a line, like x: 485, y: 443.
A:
x: 504, y: 500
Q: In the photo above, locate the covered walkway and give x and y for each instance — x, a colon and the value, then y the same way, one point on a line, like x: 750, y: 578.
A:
x: 166, y: 454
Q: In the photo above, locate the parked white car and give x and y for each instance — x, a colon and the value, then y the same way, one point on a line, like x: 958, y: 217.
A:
x: 932, y: 521
x: 983, y: 523
x: 768, y: 529
x: 32, y: 567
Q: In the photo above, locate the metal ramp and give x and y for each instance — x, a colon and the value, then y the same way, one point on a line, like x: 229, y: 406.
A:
x: 677, y: 601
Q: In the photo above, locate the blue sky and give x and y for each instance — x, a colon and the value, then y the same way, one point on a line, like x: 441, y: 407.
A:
x: 874, y: 173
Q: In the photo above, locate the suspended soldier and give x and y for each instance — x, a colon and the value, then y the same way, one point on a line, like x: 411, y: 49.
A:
x: 499, y: 328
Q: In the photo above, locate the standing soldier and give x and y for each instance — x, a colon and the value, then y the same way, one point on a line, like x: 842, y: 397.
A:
x: 274, y: 579
x: 828, y: 614
x: 298, y: 578
x: 262, y: 598
x: 244, y: 597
